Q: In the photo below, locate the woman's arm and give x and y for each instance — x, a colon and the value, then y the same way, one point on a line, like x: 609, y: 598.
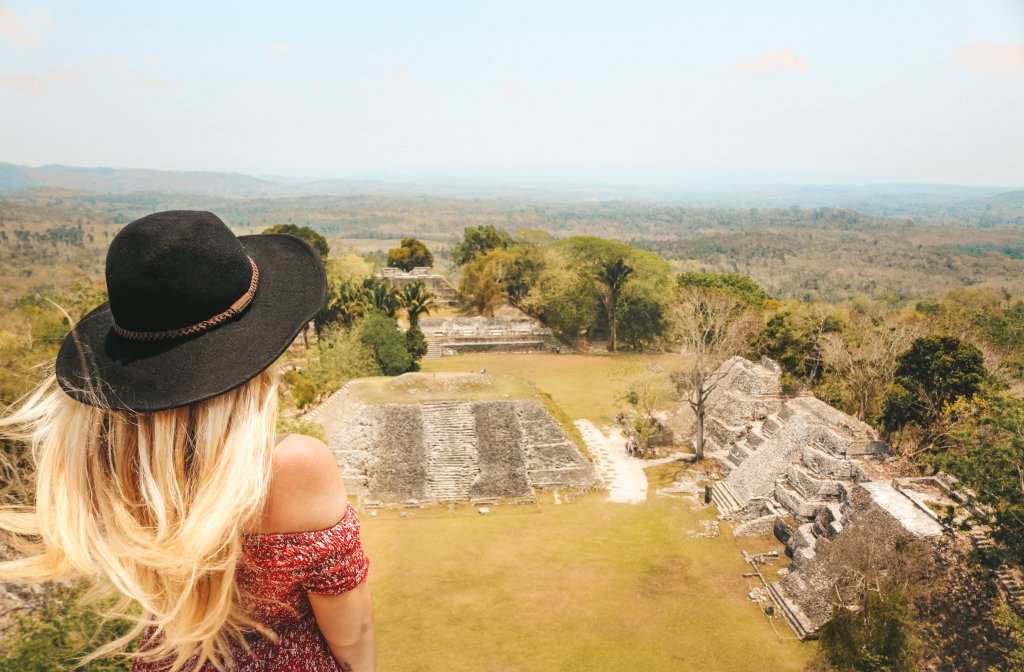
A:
x: 307, y: 492
x: 346, y: 620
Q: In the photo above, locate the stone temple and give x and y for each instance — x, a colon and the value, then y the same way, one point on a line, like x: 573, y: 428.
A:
x: 805, y: 471
x: 446, y: 451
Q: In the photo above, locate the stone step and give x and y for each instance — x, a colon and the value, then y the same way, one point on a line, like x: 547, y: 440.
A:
x: 449, y: 436
x: 755, y: 438
x: 798, y: 506
x: 810, y: 486
x: 739, y: 452
x: 724, y: 498
x: 790, y: 613
x: 770, y: 425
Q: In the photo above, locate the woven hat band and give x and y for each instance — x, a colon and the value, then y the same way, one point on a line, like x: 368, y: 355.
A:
x: 233, y: 310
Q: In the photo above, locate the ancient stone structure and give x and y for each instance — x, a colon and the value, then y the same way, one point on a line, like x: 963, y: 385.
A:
x: 456, y: 451
x: 458, y: 335
x: 444, y: 293
x: 805, y: 471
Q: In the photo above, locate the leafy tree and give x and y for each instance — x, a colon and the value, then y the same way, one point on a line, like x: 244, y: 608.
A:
x: 642, y: 316
x: 340, y: 355
x: 416, y: 345
x: 986, y: 453
x: 410, y: 254
x: 417, y: 300
x: 318, y: 242
x: 878, y: 637
x: 793, y: 336
x: 380, y: 333
x: 478, y: 241
x: 710, y: 326
x: 302, y: 389
x: 611, y: 278
x: 482, y: 284
x: 930, y: 377
x: 741, y: 285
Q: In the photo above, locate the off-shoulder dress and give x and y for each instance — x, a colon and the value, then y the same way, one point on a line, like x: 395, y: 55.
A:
x: 277, y: 571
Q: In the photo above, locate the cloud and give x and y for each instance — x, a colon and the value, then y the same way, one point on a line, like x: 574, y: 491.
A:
x: 517, y: 95
x: 993, y: 60
x: 155, y: 84
x: 673, y: 94
x: 279, y: 48
x: 770, y: 62
x: 400, y: 76
x: 35, y: 85
x: 11, y: 28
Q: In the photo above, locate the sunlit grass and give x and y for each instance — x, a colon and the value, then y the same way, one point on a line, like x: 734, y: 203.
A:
x: 584, y: 386
x: 585, y: 585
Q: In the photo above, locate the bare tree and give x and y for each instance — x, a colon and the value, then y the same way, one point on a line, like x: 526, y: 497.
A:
x: 863, y: 357
x: 710, y: 327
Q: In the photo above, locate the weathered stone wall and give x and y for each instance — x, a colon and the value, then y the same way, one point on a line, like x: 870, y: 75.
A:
x: 502, y: 459
x: 397, y: 468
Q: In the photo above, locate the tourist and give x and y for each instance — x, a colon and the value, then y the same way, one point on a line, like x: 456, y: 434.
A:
x: 158, y: 474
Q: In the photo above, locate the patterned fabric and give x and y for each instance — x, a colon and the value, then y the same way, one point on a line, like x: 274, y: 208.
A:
x: 276, y: 572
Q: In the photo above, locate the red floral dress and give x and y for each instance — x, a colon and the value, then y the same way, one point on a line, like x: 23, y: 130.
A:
x: 277, y: 571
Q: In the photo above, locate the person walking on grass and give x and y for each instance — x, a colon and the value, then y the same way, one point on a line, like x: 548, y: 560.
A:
x: 158, y: 474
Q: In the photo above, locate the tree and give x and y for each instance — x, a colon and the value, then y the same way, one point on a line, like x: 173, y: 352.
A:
x: 710, y: 326
x: 380, y: 333
x: 482, y: 284
x: 930, y: 377
x: 416, y: 345
x: 863, y: 357
x: 646, y: 393
x: 378, y: 295
x: 410, y: 254
x: 792, y: 337
x: 611, y: 278
x: 878, y: 637
x: 416, y: 300
x: 318, y: 242
x: 478, y: 241
x: 741, y: 285
x: 986, y: 453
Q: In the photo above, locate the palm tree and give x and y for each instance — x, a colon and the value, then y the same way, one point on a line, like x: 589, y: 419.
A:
x: 612, y: 276
x: 380, y: 296
x: 417, y: 300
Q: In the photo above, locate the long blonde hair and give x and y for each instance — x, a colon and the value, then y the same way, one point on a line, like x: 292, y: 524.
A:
x: 151, y: 507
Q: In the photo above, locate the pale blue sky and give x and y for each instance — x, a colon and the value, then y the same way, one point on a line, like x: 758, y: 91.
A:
x: 666, y: 92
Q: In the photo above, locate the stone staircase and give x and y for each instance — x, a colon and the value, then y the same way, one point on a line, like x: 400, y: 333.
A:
x: 449, y: 438
x: 433, y: 349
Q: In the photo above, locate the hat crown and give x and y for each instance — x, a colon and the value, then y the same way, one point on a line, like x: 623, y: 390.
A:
x: 174, y: 269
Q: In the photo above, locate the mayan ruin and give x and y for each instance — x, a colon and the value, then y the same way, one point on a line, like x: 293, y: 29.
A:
x: 451, y: 451
x: 817, y: 479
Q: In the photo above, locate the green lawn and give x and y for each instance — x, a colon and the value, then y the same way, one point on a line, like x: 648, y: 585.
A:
x: 586, y: 585
x: 584, y: 386
x: 417, y: 388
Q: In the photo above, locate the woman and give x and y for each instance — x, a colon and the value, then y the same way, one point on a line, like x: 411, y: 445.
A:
x: 158, y: 473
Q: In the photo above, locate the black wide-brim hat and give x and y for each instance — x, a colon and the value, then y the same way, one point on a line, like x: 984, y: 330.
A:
x: 193, y: 312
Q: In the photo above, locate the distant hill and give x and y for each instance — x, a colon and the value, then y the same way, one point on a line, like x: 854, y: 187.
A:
x: 127, y: 180
x: 934, y: 202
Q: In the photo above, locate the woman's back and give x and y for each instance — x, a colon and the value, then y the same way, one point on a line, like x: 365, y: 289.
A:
x: 294, y: 553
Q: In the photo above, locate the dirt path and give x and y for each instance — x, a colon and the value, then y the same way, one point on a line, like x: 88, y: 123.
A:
x: 624, y: 475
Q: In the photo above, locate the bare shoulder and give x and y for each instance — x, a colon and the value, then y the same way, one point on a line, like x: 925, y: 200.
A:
x: 306, y: 490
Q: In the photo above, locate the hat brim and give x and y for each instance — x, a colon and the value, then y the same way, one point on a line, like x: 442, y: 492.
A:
x: 154, y: 376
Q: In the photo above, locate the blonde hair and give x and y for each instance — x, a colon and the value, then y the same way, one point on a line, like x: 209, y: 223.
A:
x: 151, y: 507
